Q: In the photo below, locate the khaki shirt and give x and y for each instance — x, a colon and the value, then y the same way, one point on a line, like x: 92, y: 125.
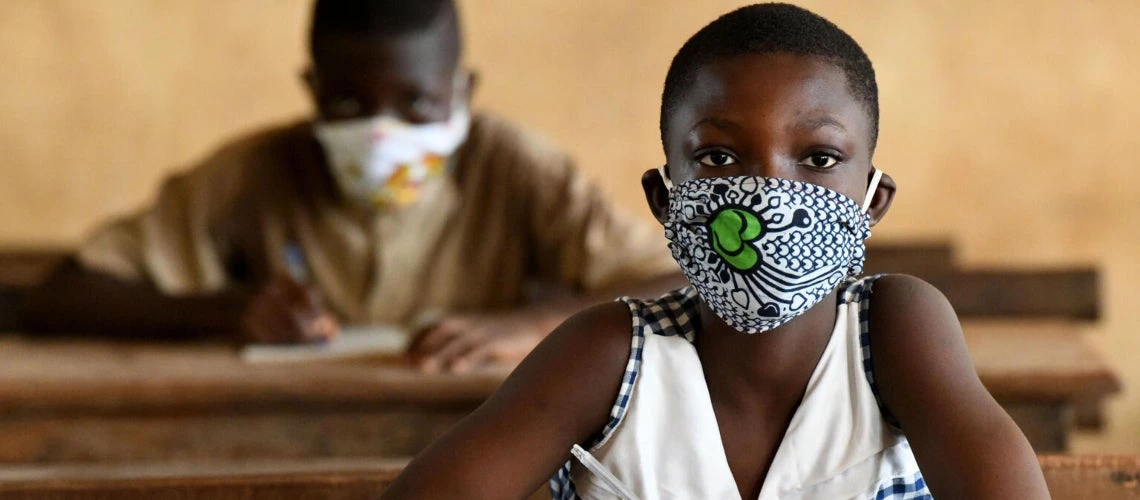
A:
x: 512, y: 212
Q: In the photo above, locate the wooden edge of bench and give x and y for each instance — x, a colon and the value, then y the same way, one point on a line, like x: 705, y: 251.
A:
x: 1088, y: 388
x: 1068, y: 476
x: 1051, y: 462
x: 320, y: 472
x: 1092, y: 476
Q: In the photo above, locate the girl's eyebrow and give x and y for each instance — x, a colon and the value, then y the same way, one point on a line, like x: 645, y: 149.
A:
x: 818, y: 122
x: 716, y: 122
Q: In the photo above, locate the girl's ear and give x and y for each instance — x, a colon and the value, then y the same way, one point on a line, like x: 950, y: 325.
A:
x: 883, y: 196
x: 656, y: 193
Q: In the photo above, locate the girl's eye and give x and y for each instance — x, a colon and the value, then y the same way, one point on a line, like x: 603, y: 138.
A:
x: 716, y: 159
x: 820, y: 160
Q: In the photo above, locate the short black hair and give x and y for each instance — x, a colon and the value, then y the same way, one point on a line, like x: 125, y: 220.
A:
x: 769, y: 28
x: 379, y: 18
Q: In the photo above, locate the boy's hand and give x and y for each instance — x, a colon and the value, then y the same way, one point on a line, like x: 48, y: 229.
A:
x: 285, y: 311
x: 462, y: 342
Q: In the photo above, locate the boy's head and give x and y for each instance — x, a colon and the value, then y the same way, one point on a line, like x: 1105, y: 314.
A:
x: 393, y: 57
x: 776, y: 91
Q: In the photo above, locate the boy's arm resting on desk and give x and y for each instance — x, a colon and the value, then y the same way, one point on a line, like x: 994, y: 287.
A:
x: 559, y: 396
x: 78, y: 300
x: 75, y: 299
x: 965, y: 444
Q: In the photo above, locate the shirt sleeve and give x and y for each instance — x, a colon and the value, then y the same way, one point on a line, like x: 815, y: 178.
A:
x: 176, y: 242
x: 582, y: 239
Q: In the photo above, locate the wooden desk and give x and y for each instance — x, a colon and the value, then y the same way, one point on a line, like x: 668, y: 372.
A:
x: 86, y: 401
x: 82, y: 401
x: 1058, y: 294
x: 1068, y: 477
x: 1071, y: 293
x: 1040, y: 373
x: 917, y: 258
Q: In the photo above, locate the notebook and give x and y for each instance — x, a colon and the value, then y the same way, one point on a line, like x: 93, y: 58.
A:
x: 353, y: 342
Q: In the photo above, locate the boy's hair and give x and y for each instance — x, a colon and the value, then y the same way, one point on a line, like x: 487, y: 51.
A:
x: 768, y: 28
x: 381, y: 19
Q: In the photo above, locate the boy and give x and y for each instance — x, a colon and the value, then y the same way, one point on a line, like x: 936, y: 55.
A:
x: 777, y: 374
x: 395, y: 201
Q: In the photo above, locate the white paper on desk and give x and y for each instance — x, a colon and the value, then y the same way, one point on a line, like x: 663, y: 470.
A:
x: 353, y: 342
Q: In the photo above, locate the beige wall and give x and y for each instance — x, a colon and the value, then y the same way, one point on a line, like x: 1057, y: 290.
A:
x: 1008, y: 125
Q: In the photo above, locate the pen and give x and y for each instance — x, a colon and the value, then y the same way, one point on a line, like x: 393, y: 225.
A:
x: 295, y: 263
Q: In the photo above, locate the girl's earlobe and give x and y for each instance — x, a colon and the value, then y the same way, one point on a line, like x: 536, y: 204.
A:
x: 879, y: 201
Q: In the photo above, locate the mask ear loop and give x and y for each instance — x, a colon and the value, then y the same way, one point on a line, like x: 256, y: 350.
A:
x: 665, y: 177
x: 459, y: 88
x: 875, y: 178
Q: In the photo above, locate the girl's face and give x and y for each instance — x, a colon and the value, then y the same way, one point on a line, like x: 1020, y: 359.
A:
x: 771, y: 115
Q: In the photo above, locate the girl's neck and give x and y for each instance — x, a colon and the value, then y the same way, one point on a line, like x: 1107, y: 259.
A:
x: 774, y: 365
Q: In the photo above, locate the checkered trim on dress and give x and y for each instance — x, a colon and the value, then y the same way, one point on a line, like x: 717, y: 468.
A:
x: 674, y: 313
x: 902, y: 488
x: 860, y: 291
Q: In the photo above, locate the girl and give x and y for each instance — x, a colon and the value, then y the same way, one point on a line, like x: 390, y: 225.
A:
x: 778, y: 373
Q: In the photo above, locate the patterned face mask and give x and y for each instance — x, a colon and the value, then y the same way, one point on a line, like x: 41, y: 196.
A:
x: 761, y: 251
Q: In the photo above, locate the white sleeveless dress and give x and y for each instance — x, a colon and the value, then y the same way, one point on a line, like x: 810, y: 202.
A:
x: 662, y: 440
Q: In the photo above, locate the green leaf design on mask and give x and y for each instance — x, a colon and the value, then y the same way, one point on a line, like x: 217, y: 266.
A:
x: 732, y: 230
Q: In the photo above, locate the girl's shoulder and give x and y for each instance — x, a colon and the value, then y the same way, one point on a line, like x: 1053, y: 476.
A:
x: 900, y: 297
x: 910, y: 327
x: 900, y: 319
x: 906, y: 317
x: 601, y: 331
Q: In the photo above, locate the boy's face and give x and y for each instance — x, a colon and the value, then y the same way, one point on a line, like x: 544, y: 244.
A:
x: 771, y: 115
x: 410, y: 77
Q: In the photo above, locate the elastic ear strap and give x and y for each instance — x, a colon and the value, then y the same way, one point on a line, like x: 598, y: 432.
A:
x: 665, y: 177
x: 457, y: 88
x: 875, y: 177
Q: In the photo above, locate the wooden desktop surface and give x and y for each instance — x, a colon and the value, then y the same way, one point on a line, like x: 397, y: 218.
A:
x: 1014, y: 359
x: 98, y: 401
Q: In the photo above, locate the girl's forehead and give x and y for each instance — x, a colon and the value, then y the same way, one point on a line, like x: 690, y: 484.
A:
x: 771, y: 89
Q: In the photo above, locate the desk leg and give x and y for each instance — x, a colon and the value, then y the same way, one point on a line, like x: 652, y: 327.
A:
x: 1046, y: 425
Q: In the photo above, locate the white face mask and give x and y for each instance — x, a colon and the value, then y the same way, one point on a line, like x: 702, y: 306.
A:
x: 384, y: 162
